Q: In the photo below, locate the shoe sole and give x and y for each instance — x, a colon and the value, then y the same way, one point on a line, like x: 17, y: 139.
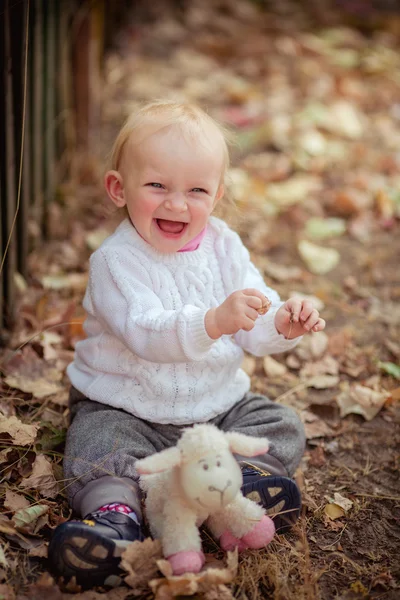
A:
x: 280, y: 497
x: 93, y: 559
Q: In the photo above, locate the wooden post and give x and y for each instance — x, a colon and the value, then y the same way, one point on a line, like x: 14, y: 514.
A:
x: 37, y: 113
x: 9, y: 233
x: 50, y: 109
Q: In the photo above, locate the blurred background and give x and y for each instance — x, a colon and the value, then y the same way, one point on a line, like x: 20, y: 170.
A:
x: 311, y: 91
x: 311, y: 88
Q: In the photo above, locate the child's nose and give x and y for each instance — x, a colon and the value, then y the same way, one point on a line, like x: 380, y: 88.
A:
x: 176, y: 202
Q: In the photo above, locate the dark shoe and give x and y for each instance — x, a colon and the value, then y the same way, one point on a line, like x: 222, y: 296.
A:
x: 90, y: 550
x: 279, y: 495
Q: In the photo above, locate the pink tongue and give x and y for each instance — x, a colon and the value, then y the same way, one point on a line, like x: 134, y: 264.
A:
x: 170, y: 226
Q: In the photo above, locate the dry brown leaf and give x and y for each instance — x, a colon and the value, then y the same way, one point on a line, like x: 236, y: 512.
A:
x: 326, y: 366
x: 140, y: 562
x: 314, y: 426
x: 343, y: 502
x: 6, y: 592
x: 15, y: 501
x: 218, y: 592
x: 282, y: 272
x: 323, y: 382
x: 39, y: 551
x: 193, y: 583
x: 361, y: 400
x: 27, y: 372
x: 42, y: 478
x: 21, y: 434
x: 273, y: 368
x: 312, y: 346
x: 249, y: 365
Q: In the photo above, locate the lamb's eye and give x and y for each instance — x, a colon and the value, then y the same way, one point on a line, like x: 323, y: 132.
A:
x: 218, y: 463
x: 205, y: 467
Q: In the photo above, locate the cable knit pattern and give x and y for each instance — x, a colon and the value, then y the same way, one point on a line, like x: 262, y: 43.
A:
x: 147, y: 350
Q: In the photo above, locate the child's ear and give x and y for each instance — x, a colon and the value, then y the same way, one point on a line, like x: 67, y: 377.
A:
x: 220, y: 193
x: 114, y: 185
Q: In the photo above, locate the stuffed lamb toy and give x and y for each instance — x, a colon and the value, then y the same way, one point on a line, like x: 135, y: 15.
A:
x: 199, y: 480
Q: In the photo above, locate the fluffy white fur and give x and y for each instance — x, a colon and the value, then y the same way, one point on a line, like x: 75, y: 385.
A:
x: 199, y: 480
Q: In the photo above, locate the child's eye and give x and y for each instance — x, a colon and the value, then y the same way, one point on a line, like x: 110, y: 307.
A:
x: 199, y: 190
x: 155, y: 184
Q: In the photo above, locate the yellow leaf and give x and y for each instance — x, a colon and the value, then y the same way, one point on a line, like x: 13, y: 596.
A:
x: 334, y: 511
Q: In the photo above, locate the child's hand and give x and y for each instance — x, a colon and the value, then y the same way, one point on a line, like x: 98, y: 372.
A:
x: 239, y: 311
x: 297, y: 317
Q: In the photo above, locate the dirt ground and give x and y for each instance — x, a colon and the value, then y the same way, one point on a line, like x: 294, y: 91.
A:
x: 316, y: 112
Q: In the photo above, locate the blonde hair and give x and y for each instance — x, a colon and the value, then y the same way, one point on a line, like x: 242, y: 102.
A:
x: 162, y: 114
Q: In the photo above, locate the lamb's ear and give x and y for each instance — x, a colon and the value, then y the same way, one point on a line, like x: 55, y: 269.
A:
x: 161, y: 461
x: 239, y: 443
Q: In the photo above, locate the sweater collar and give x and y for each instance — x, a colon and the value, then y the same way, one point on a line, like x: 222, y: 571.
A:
x: 126, y: 228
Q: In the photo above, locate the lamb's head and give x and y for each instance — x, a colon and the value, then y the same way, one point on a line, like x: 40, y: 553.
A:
x: 208, y: 473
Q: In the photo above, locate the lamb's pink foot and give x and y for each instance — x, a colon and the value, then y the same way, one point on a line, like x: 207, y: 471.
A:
x: 261, y: 534
x: 186, y: 562
x: 228, y: 541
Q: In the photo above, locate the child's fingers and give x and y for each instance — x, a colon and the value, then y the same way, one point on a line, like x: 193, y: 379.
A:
x: 307, y: 310
x: 254, y: 302
x: 252, y: 313
x: 312, y: 320
x: 255, y: 294
x: 293, y: 306
x: 320, y: 326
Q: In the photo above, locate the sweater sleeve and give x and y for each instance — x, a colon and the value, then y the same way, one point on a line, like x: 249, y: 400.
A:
x: 263, y: 339
x: 120, y: 298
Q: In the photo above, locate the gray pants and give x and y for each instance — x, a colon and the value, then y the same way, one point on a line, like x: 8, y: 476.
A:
x: 103, y: 444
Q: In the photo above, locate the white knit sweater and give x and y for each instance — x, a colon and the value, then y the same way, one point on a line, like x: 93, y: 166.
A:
x: 147, y: 350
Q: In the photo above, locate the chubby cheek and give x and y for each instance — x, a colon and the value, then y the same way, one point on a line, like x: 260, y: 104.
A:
x: 200, y: 214
x: 144, y: 208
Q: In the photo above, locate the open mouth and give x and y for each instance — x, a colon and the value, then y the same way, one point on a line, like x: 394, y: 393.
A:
x: 171, y: 228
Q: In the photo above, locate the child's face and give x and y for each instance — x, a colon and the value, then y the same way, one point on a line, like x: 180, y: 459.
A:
x: 170, y: 186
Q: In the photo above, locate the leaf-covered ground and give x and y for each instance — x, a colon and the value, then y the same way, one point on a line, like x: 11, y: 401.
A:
x: 316, y: 183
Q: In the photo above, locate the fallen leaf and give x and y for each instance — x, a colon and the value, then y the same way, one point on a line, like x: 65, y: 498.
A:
x: 139, y: 560
x: 319, y: 260
x: 249, y: 365
x: 40, y: 551
x: 47, y: 339
x: 27, y: 372
x: 326, y: 366
x: 314, y: 426
x: 273, y: 368
x: 325, y: 228
x: 343, y: 502
x: 42, y: 478
x: 312, y: 346
x: 334, y: 511
x: 323, y: 382
x: 15, y: 501
x: 317, y: 457
x: 292, y: 191
x: 74, y: 281
x: 21, y: 434
x: 24, y: 518
x: 3, y: 560
x: 390, y: 368
x: 361, y: 400
x: 95, y: 238
x: 6, y: 592
x: 193, y: 583
x: 282, y: 272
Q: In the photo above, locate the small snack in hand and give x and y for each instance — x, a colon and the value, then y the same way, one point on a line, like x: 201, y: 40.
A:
x: 265, y: 306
